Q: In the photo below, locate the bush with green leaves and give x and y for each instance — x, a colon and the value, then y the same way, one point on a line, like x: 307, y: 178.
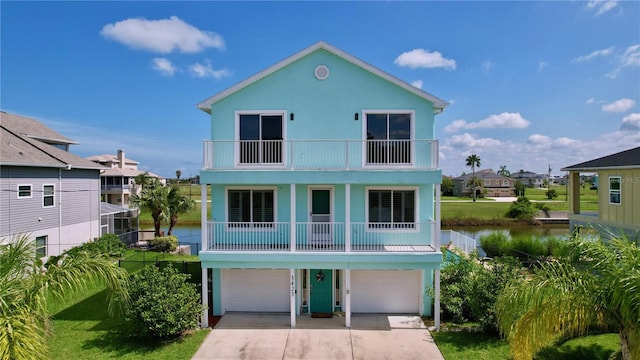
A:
x: 469, y: 288
x: 494, y: 243
x: 551, y: 194
x: 108, y: 245
x: 525, y: 248
x: 522, y: 209
x: 163, y: 303
x: 164, y: 243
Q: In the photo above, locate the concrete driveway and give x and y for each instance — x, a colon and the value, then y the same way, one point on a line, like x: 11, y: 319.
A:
x: 268, y: 336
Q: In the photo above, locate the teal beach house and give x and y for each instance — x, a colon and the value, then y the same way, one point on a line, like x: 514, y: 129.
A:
x: 325, y: 192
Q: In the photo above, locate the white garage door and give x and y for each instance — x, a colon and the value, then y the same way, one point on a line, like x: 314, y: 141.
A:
x: 385, y: 291
x: 260, y: 290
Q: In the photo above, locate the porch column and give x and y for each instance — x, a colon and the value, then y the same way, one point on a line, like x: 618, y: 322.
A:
x: 436, y: 300
x: 205, y: 299
x: 436, y: 240
x: 574, y: 188
x: 347, y: 218
x: 292, y: 218
x: 292, y: 296
x: 347, y: 298
x: 203, y: 214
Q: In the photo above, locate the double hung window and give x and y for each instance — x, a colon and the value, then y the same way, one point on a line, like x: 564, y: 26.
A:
x: 260, y: 138
x: 251, y: 208
x: 41, y: 246
x: 24, y: 191
x: 48, y: 196
x: 388, y: 138
x: 615, y: 190
x: 391, y: 209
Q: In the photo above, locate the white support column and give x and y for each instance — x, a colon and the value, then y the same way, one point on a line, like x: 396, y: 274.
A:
x: 292, y: 218
x: 436, y: 241
x: 292, y: 296
x: 205, y: 299
x: 347, y: 300
x: 203, y: 214
x: 347, y: 218
x: 436, y: 300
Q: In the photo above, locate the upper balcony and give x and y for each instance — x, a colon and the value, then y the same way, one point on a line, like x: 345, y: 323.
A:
x: 419, y: 154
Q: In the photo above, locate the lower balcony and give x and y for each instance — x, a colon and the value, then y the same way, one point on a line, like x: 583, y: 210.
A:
x: 321, y: 237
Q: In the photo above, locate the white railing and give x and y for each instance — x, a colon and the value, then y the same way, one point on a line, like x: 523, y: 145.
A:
x: 320, y: 154
x: 321, y: 237
x: 461, y: 241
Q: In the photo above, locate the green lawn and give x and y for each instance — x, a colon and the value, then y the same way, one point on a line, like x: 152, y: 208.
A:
x: 135, y: 260
x: 463, y: 345
x: 82, y: 329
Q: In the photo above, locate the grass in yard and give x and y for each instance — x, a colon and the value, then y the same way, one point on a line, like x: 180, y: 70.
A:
x: 83, y: 330
x: 461, y: 344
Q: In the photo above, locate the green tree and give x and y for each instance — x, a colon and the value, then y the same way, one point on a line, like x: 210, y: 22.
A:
x: 178, y: 174
x: 26, y: 283
x: 177, y: 204
x: 447, y: 186
x: 155, y: 201
x: 596, y: 284
x: 473, y: 161
x: 503, y: 171
x: 163, y: 303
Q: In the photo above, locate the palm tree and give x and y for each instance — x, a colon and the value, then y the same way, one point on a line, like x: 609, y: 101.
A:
x: 473, y: 160
x: 178, y: 174
x: 596, y: 284
x: 154, y: 200
x: 176, y: 204
x: 503, y: 171
x: 25, y: 283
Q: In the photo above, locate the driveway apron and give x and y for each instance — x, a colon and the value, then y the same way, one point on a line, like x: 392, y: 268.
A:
x: 268, y: 336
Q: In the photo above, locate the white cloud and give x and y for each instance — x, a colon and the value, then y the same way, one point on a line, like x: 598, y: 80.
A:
x: 163, y: 66
x: 601, y: 6
x: 504, y: 121
x: 421, y: 58
x: 631, y: 122
x: 467, y: 140
x: 162, y: 36
x: 620, y: 105
x: 538, y: 139
x: 487, y: 66
x: 542, y: 65
x: 417, y: 83
x: 629, y: 58
x: 594, y: 54
x: 206, y: 70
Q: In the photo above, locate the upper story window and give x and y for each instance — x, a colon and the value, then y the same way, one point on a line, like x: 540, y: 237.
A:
x: 391, y: 209
x: 48, y: 195
x: 615, y: 190
x: 487, y: 182
x: 251, y: 207
x: 260, y: 138
x: 388, y: 138
x: 24, y: 191
x: 505, y: 182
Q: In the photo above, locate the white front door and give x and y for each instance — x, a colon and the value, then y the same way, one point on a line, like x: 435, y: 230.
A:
x: 320, y: 216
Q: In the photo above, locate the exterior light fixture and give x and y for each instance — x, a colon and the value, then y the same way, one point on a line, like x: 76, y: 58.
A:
x: 291, y: 116
x: 355, y: 116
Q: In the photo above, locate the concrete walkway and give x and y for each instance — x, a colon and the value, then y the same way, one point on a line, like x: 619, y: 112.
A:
x: 268, y: 336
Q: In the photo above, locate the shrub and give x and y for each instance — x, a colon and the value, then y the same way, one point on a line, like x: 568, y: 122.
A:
x: 551, y: 194
x: 542, y: 206
x: 494, y: 243
x: 163, y: 303
x: 522, y: 209
x: 107, y: 245
x: 164, y: 243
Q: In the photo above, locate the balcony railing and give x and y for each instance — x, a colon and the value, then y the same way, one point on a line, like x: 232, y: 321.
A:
x: 321, y: 237
x: 320, y: 154
x: 115, y: 187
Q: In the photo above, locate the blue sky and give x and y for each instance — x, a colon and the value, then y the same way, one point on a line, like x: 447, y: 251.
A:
x: 530, y: 84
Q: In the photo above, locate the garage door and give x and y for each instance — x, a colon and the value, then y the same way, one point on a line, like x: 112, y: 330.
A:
x: 263, y: 290
x: 385, y: 291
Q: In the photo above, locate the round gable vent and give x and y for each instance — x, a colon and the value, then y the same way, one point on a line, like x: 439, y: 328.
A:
x: 321, y: 72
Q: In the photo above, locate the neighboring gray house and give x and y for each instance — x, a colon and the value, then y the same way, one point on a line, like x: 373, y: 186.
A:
x: 45, y: 191
x: 529, y: 179
x: 489, y: 184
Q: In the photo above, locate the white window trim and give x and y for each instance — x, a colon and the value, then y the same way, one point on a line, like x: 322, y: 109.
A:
x: 285, y: 151
x: 487, y: 182
x: 331, y: 189
x: 618, y: 191
x: 30, y: 191
x: 416, y: 204
x: 54, y: 196
x: 45, y: 246
x: 275, y: 208
x: 363, y: 116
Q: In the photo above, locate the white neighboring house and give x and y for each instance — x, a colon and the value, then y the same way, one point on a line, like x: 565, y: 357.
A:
x: 45, y: 191
x: 117, y: 181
